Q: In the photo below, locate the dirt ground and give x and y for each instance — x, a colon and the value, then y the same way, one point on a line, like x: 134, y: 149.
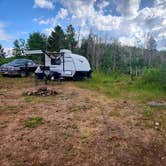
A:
x: 79, y: 127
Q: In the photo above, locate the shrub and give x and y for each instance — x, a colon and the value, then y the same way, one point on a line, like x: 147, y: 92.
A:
x: 6, y: 60
x: 155, y: 77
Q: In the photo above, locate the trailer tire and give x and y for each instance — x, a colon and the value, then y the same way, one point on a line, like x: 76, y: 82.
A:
x: 78, y: 78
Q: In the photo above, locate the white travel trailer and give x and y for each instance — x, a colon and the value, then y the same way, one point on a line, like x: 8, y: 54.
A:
x: 63, y: 64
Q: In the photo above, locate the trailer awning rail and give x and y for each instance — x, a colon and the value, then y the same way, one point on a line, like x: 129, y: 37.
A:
x: 48, y: 53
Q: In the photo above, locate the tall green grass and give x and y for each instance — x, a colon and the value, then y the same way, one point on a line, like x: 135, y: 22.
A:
x: 121, y: 86
x: 108, y: 84
x: 155, y: 77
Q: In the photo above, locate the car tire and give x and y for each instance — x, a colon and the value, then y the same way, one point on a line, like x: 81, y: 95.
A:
x: 4, y: 75
x: 23, y: 74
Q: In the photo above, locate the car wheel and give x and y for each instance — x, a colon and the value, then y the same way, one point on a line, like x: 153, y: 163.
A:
x: 23, y: 74
x: 4, y: 75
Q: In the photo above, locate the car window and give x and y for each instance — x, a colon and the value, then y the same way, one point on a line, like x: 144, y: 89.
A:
x: 19, y: 62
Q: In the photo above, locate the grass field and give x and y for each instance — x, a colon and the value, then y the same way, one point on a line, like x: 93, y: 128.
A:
x: 121, y: 86
x: 102, y: 121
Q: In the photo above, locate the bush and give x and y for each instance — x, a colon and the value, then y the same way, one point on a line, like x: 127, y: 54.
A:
x: 6, y: 60
x: 155, y: 76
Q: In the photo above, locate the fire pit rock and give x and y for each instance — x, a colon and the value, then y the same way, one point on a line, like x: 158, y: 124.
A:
x: 42, y: 91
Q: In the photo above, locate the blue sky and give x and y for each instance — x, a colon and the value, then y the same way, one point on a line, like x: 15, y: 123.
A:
x: 129, y: 21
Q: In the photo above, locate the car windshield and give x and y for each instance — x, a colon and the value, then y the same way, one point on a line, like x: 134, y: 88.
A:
x: 19, y: 62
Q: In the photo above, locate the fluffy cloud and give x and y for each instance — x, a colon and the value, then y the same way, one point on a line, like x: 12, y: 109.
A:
x: 130, y: 26
x: 102, y: 5
x: 62, y: 14
x: 41, y: 20
x: 3, y: 35
x: 9, y: 52
x: 128, y: 23
x: 44, y: 4
x: 127, y: 8
x: 85, y: 14
x: 48, y: 31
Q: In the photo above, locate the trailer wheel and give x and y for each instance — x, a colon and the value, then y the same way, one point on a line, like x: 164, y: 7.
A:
x: 78, y: 78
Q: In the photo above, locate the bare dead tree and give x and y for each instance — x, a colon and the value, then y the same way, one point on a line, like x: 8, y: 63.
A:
x: 151, y: 47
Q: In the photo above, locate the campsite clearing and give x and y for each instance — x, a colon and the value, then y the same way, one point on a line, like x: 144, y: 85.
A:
x: 77, y: 127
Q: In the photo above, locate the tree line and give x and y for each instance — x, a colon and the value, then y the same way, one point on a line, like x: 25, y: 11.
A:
x: 103, y: 56
x: 111, y: 57
x: 57, y: 40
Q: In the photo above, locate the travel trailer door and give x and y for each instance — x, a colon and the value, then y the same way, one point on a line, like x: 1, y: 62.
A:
x: 55, y: 63
x: 68, y: 66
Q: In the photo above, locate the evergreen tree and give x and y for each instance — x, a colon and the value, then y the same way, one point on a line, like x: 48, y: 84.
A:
x: 17, y: 48
x: 37, y: 41
x: 2, y: 53
x: 56, y: 40
x: 19, y: 45
x: 70, y: 38
x: 84, y: 48
x: 151, y: 43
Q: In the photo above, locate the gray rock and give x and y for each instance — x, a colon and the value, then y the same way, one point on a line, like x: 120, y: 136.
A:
x: 156, y: 104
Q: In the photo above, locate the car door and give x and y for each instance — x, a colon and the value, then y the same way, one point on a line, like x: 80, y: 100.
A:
x: 31, y: 66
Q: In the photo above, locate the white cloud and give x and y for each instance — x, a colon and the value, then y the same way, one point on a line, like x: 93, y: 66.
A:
x: 62, y: 14
x: 162, y: 48
x: 127, y: 41
x: 107, y: 23
x: 128, y: 8
x: 102, y: 5
x: 159, y: 2
x: 84, y: 14
x: 3, y: 35
x: 24, y: 33
x: 42, y: 21
x: 9, y: 52
x: 48, y: 4
x: 130, y: 26
x: 162, y: 35
x: 48, y: 31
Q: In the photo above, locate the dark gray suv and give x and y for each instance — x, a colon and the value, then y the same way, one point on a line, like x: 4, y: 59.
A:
x: 20, y: 67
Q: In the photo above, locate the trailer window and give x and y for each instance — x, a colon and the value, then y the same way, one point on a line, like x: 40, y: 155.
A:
x: 56, y: 61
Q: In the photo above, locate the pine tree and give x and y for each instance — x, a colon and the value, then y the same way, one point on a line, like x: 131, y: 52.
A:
x: 2, y: 53
x: 37, y: 41
x: 17, y: 48
x: 19, y: 45
x: 56, y: 40
x: 70, y: 38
